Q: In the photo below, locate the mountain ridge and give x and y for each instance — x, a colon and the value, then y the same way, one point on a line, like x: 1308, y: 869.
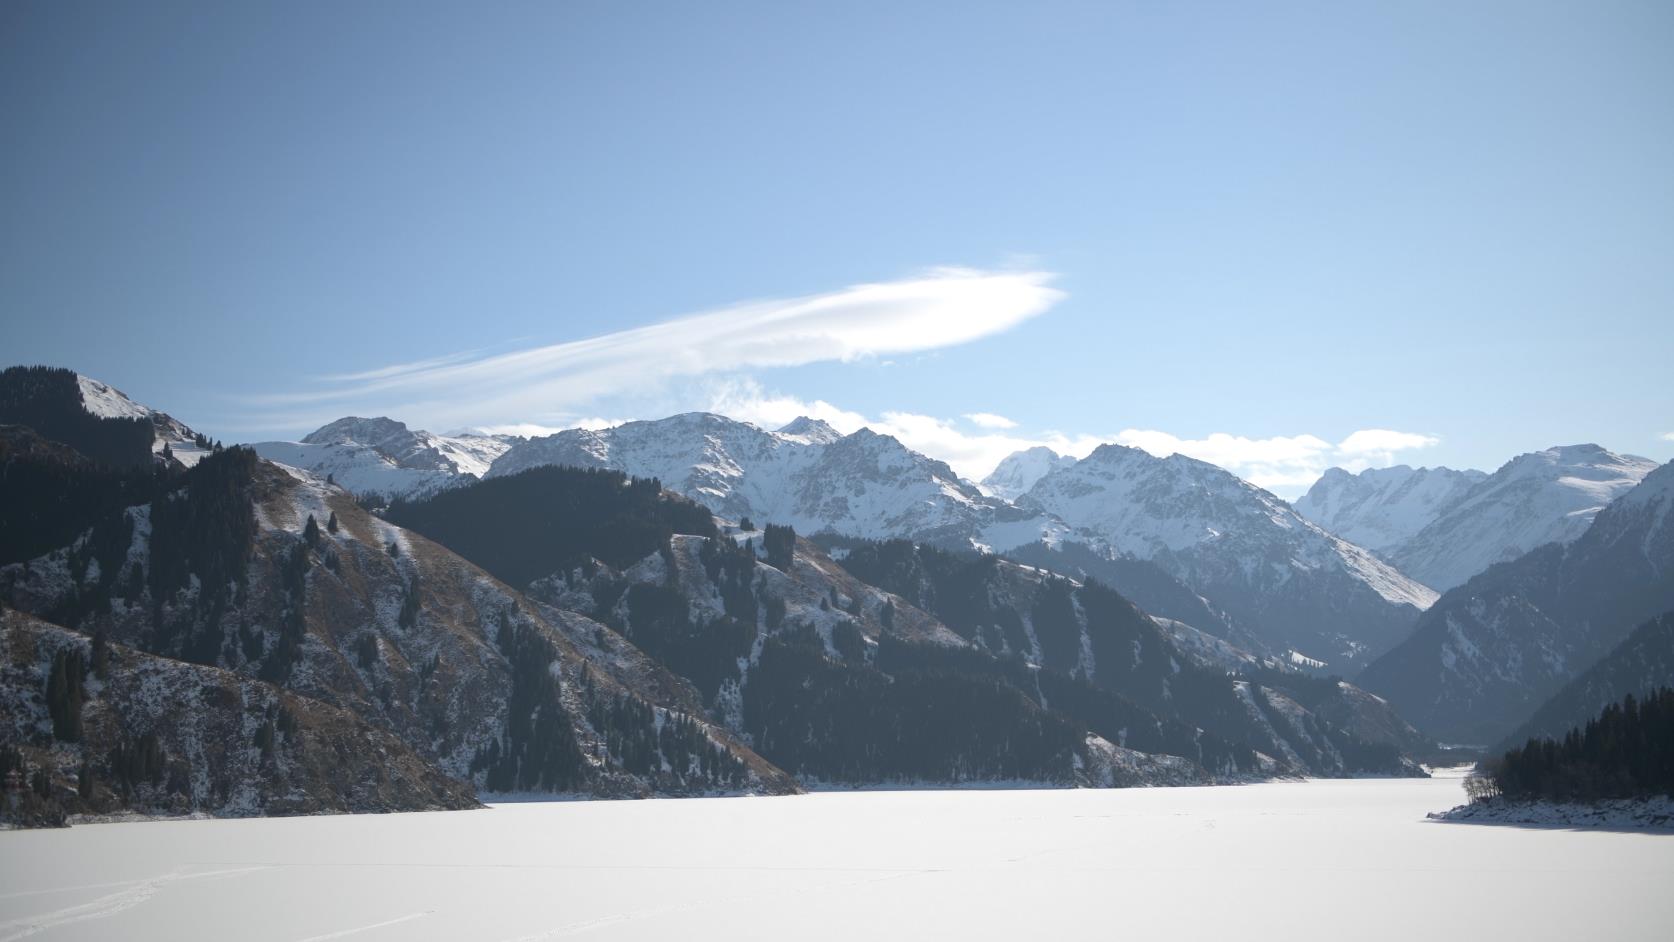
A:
x: 1285, y: 578
x: 1546, y: 496
x: 1382, y: 508
x: 1489, y: 652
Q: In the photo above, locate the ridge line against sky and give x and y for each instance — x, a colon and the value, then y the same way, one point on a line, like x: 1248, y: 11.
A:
x: 701, y: 362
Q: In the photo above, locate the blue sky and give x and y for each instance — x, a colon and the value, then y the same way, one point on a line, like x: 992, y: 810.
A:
x: 1277, y: 223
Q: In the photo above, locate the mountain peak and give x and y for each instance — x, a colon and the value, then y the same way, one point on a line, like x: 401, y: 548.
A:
x: 383, y: 455
x: 1546, y: 496
x: 813, y: 431
x: 1584, y: 455
x: 1018, y: 471
x: 1381, y: 508
x: 353, y: 428
x: 1234, y: 542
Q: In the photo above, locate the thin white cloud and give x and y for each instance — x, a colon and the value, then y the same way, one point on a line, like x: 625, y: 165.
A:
x: 1381, y: 444
x: 1286, y: 465
x: 536, y: 430
x: 972, y: 456
x: 941, y: 308
x: 1668, y: 436
x: 989, y: 420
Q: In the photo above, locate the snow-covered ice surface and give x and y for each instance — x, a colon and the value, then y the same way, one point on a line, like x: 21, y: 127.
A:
x: 1301, y: 860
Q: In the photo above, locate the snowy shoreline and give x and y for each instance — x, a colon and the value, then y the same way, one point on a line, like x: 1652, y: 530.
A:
x: 1648, y: 814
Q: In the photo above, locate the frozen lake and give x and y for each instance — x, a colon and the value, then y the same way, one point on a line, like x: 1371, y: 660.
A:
x: 1339, y: 860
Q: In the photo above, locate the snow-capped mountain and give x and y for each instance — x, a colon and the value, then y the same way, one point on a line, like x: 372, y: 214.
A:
x: 1018, y: 471
x: 383, y: 456
x: 1286, y: 579
x: 461, y: 453
x: 1382, y: 508
x: 1492, y: 650
x: 805, y: 474
x: 1546, y: 496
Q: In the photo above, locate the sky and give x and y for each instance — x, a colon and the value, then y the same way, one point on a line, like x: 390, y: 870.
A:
x: 1277, y: 236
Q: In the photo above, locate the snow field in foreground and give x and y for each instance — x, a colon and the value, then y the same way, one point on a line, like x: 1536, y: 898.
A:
x: 1310, y: 860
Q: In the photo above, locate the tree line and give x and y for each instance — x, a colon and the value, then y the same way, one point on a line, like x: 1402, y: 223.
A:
x: 1627, y: 751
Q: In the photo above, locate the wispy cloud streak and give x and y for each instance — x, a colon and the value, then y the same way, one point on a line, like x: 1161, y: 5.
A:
x: 941, y: 308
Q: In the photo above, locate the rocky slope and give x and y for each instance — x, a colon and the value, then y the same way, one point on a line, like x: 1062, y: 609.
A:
x: 1542, y: 497
x: 1383, y: 508
x: 1290, y: 583
x: 1489, y: 652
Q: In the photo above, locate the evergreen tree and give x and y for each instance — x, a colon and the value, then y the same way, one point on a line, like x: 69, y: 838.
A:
x: 331, y: 523
x: 408, y: 617
x: 1625, y: 752
x: 64, y: 694
x: 101, y: 654
x: 779, y: 543
x: 264, y: 739
x: 311, y: 532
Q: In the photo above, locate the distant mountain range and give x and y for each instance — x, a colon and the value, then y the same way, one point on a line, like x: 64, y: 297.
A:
x: 205, y: 637
x: 1292, y: 584
x: 805, y: 475
x: 1442, y: 527
x: 694, y: 604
